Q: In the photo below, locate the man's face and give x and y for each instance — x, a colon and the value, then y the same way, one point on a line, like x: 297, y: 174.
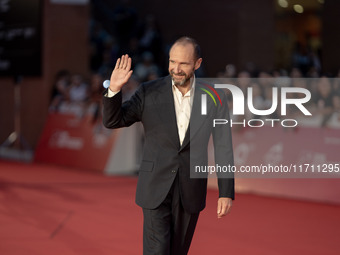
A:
x: 182, y: 64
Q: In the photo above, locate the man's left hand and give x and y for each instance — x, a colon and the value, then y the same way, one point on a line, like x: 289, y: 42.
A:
x: 223, y: 206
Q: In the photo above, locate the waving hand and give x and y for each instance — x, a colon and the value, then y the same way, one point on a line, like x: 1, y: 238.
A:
x: 121, y: 73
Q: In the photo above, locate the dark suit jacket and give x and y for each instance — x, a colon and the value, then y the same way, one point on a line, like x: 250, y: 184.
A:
x: 163, y: 157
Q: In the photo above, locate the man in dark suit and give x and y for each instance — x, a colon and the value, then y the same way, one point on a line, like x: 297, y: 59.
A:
x: 169, y: 190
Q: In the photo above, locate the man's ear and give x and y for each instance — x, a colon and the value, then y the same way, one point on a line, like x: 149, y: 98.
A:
x: 198, y: 63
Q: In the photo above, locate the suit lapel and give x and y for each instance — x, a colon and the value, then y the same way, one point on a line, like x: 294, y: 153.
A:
x: 196, y: 118
x: 164, y: 102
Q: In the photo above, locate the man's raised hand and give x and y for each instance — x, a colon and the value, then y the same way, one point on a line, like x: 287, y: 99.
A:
x: 121, y: 73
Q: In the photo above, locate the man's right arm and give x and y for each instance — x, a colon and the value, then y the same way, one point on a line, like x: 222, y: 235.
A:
x: 116, y: 114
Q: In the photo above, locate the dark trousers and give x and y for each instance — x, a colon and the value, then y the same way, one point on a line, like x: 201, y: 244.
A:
x: 168, y: 229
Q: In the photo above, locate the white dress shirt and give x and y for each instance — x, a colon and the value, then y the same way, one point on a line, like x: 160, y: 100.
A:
x: 183, y: 105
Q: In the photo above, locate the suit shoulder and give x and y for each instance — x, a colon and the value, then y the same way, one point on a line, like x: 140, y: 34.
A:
x: 210, y: 86
x: 155, y: 84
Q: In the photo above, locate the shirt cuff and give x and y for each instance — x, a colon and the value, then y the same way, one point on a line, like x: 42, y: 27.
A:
x: 110, y: 93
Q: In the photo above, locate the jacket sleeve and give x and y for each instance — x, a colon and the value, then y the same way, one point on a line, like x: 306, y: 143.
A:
x: 224, y: 150
x: 116, y: 114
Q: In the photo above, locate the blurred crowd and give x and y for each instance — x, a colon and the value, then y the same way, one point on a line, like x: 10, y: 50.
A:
x: 73, y: 94
x: 120, y: 30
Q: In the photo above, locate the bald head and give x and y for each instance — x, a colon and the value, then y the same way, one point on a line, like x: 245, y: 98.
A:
x: 188, y: 41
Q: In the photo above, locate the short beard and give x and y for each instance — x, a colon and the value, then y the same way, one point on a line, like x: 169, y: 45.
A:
x: 184, y: 81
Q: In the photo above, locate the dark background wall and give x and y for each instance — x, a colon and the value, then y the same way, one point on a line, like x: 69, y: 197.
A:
x: 331, y: 36
x: 228, y: 31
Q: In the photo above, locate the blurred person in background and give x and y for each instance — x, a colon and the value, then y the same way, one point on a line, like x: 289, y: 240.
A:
x: 171, y: 200
x: 296, y: 73
x: 146, y: 67
x: 323, y: 99
x: 334, y: 120
x: 95, y: 97
x: 230, y: 71
x: 243, y: 81
x: 336, y: 83
x: 60, y: 90
x: 78, y: 95
x: 302, y: 58
x: 79, y: 91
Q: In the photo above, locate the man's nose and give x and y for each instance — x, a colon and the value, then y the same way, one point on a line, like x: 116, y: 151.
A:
x: 177, y: 69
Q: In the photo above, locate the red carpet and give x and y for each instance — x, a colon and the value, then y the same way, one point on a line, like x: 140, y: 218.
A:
x: 47, y: 210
